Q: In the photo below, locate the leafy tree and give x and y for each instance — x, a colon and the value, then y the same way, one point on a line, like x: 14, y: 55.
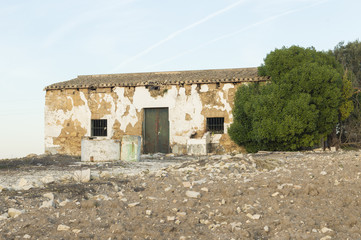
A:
x: 349, y: 56
x: 298, y: 108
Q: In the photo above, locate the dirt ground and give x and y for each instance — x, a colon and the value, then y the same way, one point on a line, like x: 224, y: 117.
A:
x: 279, y: 195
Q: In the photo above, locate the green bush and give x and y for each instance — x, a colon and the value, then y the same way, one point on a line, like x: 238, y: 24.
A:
x: 296, y: 109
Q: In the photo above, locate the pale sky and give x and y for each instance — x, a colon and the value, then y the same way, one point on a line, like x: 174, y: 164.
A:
x: 48, y: 41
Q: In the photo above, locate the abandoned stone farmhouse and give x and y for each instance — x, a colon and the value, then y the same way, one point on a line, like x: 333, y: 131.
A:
x: 167, y: 109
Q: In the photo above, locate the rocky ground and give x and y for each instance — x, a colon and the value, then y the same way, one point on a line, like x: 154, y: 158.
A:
x: 280, y: 195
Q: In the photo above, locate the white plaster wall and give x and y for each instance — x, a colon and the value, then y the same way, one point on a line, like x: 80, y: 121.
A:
x: 121, y: 107
x: 175, y: 99
x: 54, y: 121
x: 179, y: 105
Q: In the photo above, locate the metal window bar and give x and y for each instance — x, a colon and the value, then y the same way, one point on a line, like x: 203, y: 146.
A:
x: 99, y: 127
x: 215, y: 125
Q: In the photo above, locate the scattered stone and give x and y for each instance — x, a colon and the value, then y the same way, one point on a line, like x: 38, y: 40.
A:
x: 62, y: 227
x: 239, y: 155
x: 254, y: 217
x: 105, y: 174
x: 82, y: 175
x: 76, y: 231
x: 63, y: 203
x: 202, y: 181
x: 204, y: 221
x: 325, y: 230
x: 193, y: 194
x: 1, y: 188
x: 323, y: 173
x: 236, y: 226
x: 181, y: 214
x: 66, y: 177
x: 275, y: 194
x: 49, y: 195
x: 4, y: 216
x: 13, y: 213
x: 47, y: 179
x: 208, y: 212
x: 133, y: 204
x: 47, y: 204
x: 27, y: 236
x: 161, y: 173
x: 102, y: 197
x: 23, y: 184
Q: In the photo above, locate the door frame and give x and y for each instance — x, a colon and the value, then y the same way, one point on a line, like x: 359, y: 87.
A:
x: 144, y: 128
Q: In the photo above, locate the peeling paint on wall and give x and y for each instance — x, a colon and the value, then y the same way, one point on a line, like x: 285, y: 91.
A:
x: 64, y: 109
x: 68, y: 113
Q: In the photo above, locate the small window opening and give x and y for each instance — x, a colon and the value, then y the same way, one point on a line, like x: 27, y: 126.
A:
x: 215, y: 125
x: 154, y: 88
x: 198, y: 86
x: 218, y: 85
x: 99, y: 127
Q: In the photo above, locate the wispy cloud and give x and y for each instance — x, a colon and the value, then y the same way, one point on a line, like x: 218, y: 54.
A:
x: 176, y: 33
x: 81, y: 19
x: 253, y: 25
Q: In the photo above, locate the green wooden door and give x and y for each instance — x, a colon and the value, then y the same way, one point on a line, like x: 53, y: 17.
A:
x: 156, y: 130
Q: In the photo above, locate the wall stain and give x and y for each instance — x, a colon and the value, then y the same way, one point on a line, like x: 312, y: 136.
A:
x: 70, y: 136
x: 102, y: 101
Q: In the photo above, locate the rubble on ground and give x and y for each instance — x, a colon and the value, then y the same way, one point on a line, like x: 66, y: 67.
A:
x: 268, y: 195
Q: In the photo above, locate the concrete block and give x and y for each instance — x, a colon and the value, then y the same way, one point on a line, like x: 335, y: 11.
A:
x: 180, y: 149
x: 199, y: 146
x: 130, y: 148
x: 99, y: 149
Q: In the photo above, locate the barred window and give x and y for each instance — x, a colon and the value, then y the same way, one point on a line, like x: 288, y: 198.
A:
x: 99, y: 127
x: 215, y: 125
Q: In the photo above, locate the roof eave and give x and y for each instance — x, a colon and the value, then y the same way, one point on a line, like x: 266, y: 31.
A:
x: 147, y: 83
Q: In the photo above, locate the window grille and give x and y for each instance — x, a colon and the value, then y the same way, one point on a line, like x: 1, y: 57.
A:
x: 99, y: 127
x: 215, y: 125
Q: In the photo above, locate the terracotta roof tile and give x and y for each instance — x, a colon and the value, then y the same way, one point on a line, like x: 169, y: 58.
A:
x: 160, y: 78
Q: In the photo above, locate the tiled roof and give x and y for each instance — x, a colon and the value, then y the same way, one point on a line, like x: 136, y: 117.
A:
x: 161, y: 78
